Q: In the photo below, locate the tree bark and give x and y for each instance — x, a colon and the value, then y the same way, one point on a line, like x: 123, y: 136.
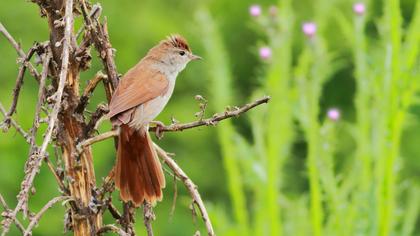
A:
x: 78, y: 167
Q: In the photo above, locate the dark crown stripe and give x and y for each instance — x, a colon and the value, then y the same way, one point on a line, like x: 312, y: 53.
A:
x: 178, y: 42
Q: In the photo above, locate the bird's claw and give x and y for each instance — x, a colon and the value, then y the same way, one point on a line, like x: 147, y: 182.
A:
x: 158, y: 126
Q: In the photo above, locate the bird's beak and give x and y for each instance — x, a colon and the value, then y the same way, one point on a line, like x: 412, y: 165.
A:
x: 195, y: 57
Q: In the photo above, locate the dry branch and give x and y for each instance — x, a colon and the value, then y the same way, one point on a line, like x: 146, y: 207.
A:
x: 19, y: 50
x: 149, y: 216
x: 6, y: 215
x: 18, y: 84
x: 214, y: 119
x: 18, y: 128
x: 192, y: 188
x: 88, y: 91
x: 37, y: 217
x: 111, y: 228
x: 34, y: 167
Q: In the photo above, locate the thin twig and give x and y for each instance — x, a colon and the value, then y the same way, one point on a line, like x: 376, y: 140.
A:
x: 29, y: 178
x: 149, y: 216
x: 179, y: 127
x: 19, y: 83
x: 214, y: 119
x: 41, y: 97
x: 37, y: 217
x: 19, y: 50
x: 94, y: 13
x: 111, y: 228
x: 88, y: 91
x: 98, y: 138
x: 18, y: 128
x: 103, y: 46
x: 192, y: 188
x: 6, y: 211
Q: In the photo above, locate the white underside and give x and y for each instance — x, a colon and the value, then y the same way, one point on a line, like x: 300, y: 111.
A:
x: 148, y: 111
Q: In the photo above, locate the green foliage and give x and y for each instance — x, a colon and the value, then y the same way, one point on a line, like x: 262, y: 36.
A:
x: 284, y: 168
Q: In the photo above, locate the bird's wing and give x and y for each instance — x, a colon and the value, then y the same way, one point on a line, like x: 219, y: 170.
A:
x: 137, y: 87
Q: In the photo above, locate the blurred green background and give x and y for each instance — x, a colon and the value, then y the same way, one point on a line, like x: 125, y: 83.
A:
x: 292, y: 167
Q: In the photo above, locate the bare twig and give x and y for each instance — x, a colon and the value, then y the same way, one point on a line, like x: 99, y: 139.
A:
x: 179, y: 127
x: 19, y: 50
x: 128, y: 219
x: 41, y: 97
x: 94, y: 13
x: 192, y: 188
x: 34, y: 167
x: 18, y: 128
x: 100, y: 37
x: 213, y: 120
x: 175, y: 197
x: 149, y: 216
x: 37, y: 217
x: 88, y: 91
x: 19, y: 83
x: 114, y: 211
x: 5, y: 214
x: 98, y: 138
x: 111, y: 228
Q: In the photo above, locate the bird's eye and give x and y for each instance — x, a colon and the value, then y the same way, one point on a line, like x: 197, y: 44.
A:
x: 182, y: 53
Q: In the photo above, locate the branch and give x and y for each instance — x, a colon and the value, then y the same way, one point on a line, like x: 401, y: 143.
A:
x: 149, y: 216
x: 180, y: 127
x: 84, y: 99
x: 7, y: 216
x: 100, y: 38
x: 35, y: 165
x: 19, y: 50
x: 98, y: 138
x: 41, y: 97
x: 213, y: 120
x: 19, y: 83
x: 38, y: 216
x: 192, y: 188
x: 18, y: 128
x: 111, y: 228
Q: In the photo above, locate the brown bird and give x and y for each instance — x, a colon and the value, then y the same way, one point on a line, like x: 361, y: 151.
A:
x: 140, y: 96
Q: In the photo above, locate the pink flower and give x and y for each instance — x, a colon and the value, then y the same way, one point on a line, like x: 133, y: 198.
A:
x: 309, y: 29
x: 255, y: 10
x: 272, y: 10
x: 359, y: 8
x: 265, y: 53
x: 333, y: 114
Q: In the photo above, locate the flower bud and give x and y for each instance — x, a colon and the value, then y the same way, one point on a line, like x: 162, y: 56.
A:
x: 333, y: 114
x: 255, y: 10
x: 309, y: 29
x: 359, y: 8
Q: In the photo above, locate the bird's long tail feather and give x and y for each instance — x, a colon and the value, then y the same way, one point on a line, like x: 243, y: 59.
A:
x: 138, y: 173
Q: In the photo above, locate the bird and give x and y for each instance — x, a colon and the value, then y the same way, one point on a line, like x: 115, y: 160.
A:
x: 142, y: 93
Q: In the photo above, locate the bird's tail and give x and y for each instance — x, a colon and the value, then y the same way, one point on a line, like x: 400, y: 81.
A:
x: 138, y: 173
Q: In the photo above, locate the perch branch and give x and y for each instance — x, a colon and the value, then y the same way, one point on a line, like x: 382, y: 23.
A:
x: 179, y: 127
x: 19, y: 50
x: 34, y: 168
x: 214, y: 119
x: 192, y: 188
x: 37, y: 217
x: 6, y: 210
